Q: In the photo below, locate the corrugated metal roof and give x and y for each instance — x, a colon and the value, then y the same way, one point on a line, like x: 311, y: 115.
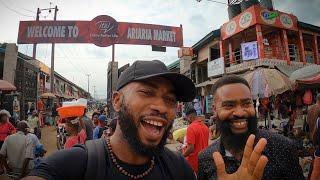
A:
x: 310, y: 27
x: 205, y: 40
x: 175, y: 64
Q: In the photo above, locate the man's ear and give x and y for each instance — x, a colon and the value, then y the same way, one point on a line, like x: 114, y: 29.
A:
x: 116, y: 100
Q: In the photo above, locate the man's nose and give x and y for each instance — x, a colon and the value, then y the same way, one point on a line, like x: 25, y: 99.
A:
x: 159, y: 106
x: 239, y: 112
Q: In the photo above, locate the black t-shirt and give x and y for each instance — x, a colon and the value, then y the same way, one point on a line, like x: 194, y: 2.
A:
x: 72, y: 163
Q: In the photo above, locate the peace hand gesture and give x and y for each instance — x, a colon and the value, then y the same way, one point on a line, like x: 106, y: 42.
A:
x: 252, y: 164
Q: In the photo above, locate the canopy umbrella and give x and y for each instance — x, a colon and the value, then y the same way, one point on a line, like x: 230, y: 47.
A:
x: 267, y: 82
x: 6, y: 86
x: 47, y: 95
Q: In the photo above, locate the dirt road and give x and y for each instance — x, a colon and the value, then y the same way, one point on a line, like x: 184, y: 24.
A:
x: 48, y: 139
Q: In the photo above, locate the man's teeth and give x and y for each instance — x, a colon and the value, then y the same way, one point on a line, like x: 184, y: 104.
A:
x: 155, y: 123
x: 240, y: 123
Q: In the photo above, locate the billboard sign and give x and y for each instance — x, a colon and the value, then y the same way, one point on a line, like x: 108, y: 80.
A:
x: 249, y: 50
x: 216, y: 67
x: 102, y: 31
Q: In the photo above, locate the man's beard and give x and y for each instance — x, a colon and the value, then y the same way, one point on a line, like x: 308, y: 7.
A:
x: 130, y: 133
x: 236, y: 142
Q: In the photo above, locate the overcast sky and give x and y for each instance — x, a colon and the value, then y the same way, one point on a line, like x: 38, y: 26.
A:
x: 74, y: 61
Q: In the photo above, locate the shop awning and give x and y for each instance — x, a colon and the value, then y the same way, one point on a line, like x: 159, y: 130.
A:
x: 6, y: 86
x: 311, y: 80
x: 305, y: 72
x: 47, y: 95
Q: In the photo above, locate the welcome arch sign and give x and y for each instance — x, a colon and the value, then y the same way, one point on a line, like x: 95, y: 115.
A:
x: 102, y: 31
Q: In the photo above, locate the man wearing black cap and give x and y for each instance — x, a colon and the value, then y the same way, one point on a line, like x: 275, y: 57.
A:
x: 145, y: 101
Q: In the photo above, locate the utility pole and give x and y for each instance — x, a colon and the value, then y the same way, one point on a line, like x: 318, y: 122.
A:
x: 34, y: 52
x: 52, y: 48
x: 52, y: 56
x: 88, y: 82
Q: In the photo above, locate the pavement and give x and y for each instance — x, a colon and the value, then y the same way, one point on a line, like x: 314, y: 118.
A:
x: 48, y: 139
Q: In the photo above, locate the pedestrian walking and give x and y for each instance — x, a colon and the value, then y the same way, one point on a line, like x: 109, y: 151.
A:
x: 73, y: 124
x: 94, y: 119
x: 98, y: 130
x: 34, y: 124
x: 88, y: 124
x: 6, y: 128
x: 15, y: 153
x: 197, y: 138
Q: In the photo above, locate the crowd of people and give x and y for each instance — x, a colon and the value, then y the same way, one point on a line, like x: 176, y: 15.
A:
x: 20, y: 148
x: 133, y: 145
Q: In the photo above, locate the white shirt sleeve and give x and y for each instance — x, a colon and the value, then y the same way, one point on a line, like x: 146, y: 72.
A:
x: 3, y: 150
x: 29, y: 148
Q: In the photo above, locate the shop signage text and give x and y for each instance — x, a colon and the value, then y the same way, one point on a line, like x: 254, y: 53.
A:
x: 102, y: 31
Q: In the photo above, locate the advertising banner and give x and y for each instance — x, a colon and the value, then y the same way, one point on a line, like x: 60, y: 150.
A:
x: 102, y: 31
x: 216, y: 67
x: 249, y: 50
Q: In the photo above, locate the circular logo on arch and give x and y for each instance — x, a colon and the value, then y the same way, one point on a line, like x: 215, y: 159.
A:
x: 245, y: 20
x: 103, y: 31
x: 286, y: 20
x: 268, y: 16
x: 231, y: 28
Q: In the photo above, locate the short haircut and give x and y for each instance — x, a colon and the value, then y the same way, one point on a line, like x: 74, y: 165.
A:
x: 3, y: 114
x: 95, y: 113
x: 191, y: 111
x: 228, y: 79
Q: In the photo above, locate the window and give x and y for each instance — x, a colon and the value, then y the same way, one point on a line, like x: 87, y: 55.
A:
x: 293, y: 52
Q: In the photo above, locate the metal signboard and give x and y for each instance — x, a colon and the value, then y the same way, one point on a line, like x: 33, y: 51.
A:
x: 102, y: 31
x: 216, y: 67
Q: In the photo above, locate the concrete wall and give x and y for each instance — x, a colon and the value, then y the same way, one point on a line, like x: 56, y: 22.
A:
x: 185, y: 63
x: 10, y: 63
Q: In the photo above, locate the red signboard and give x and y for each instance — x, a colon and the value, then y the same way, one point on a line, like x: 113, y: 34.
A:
x: 185, y: 51
x: 258, y: 15
x: 102, y: 31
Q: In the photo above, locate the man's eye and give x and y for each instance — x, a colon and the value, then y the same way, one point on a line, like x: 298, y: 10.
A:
x: 229, y: 106
x: 247, y: 104
x: 146, y: 92
x: 170, y: 100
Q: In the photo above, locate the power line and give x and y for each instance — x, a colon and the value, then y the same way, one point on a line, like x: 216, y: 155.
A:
x: 5, y: 5
x: 79, y: 64
x: 61, y: 49
x: 218, y: 2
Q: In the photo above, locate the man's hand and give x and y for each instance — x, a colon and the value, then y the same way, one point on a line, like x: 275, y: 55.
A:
x: 252, y: 164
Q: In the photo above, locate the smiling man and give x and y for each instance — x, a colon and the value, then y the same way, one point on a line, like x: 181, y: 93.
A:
x: 145, y: 101
x: 236, y: 118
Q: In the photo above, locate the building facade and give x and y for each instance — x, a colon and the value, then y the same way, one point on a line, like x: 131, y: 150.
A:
x: 257, y: 36
x: 32, y: 79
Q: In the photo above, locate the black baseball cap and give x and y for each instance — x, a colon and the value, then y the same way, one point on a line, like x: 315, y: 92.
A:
x: 185, y: 90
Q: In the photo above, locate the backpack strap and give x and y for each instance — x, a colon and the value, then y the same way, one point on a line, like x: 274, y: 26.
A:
x: 172, y: 163
x: 96, y: 162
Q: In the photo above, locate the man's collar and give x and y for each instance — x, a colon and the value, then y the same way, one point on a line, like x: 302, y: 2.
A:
x: 196, y: 120
x: 20, y: 132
